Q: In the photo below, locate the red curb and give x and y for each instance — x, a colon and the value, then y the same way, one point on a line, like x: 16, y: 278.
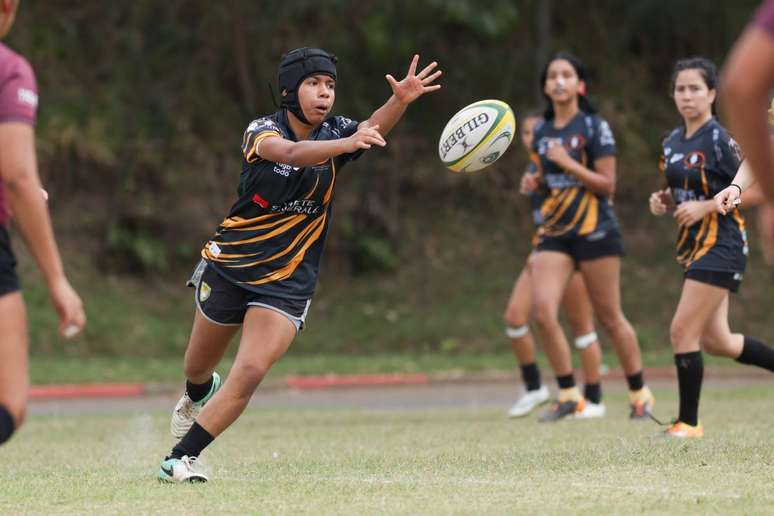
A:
x: 105, y: 390
x: 355, y: 380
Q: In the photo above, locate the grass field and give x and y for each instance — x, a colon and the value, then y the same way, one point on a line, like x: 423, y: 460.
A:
x: 403, y: 462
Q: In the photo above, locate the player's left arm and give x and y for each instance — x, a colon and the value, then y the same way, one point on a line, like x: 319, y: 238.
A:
x: 404, y: 92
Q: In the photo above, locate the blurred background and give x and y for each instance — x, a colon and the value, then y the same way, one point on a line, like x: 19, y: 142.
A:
x: 143, y: 105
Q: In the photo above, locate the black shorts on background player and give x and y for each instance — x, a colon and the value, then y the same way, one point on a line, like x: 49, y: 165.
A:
x: 9, y: 281
x: 714, y: 250
x: 596, y: 245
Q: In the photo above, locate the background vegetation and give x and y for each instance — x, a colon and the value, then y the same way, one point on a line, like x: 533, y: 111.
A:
x: 143, y: 105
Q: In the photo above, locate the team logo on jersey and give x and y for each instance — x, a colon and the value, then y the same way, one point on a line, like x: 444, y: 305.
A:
x: 695, y: 159
x: 204, y: 291
x: 575, y: 142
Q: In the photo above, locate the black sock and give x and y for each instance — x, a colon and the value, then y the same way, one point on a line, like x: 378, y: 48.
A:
x: 192, y: 443
x: 198, y: 391
x: 755, y: 352
x: 566, y: 382
x: 690, y: 372
x: 531, y: 376
x: 6, y: 424
x: 635, y: 381
x: 593, y: 392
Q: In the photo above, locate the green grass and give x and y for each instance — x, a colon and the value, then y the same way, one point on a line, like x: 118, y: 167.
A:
x: 402, y: 462
x: 48, y: 369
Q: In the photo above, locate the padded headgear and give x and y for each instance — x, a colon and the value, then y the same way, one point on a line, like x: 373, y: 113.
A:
x: 296, y: 66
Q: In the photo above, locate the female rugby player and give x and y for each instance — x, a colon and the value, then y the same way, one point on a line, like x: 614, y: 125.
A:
x: 20, y: 193
x: 576, y: 155
x: 699, y: 161
x: 576, y: 304
x: 259, y: 270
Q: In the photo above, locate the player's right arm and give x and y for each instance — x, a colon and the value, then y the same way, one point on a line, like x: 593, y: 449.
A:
x: 743, y: 188
x: 310, y: 152
x: 18, y: 169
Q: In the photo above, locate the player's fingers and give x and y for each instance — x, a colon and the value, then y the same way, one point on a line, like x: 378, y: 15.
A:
x: 428, y: 89
x: 426, y: 70
x: 428, y: 80
x: 413, y: 66
x: 391, y: 81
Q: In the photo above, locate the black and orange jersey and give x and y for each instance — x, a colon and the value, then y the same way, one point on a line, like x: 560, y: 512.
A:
x: 696, y: 169
x: 570, y: 209
x: 272, y: 240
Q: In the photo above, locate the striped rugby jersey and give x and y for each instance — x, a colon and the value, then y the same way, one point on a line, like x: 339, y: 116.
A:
x: 272, y: 240
x: 696, y: 169
x: 569, y: 209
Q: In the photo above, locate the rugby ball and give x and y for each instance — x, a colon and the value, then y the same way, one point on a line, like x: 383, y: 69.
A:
x: 477, y: 135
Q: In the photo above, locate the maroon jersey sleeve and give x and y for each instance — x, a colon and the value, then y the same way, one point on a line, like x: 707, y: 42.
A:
x: 764, y: 17
x: 18, y: 90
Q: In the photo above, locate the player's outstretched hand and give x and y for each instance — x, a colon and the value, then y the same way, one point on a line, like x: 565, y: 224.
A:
x: 727, y: 199
x: 69, y: 307
x: 414, y: 85
x: 364, y: 138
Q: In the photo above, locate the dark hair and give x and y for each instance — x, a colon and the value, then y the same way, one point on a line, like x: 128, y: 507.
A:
x: 533, y: 113
x: 580, y: 69
x: 707, y: 70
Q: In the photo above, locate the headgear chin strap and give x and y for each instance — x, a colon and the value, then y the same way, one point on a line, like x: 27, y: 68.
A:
x: 296, y: 66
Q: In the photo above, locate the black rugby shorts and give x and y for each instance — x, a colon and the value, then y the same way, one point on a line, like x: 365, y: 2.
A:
x: 598, y: 244
x: 225, y: 303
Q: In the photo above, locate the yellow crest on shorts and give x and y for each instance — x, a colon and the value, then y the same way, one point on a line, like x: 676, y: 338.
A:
x: 204, y: 292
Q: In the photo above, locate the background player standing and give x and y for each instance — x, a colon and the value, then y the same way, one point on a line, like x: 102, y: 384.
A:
x: 576, y: 150
x: 576, y: 303
x: 699, y: 160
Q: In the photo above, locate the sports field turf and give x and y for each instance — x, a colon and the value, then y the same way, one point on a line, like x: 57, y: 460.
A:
x: 438, y: 461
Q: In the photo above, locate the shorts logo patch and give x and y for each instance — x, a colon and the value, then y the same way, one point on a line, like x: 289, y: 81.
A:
x: 213, y: 249
x: 204, y: 292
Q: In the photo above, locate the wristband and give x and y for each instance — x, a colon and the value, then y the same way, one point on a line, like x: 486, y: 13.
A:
x: 739, y: 187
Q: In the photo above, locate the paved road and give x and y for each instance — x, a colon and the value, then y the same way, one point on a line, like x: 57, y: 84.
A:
x: 461, y: 395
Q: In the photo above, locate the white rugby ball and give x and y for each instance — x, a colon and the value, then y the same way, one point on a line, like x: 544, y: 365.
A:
x: 477, y: 135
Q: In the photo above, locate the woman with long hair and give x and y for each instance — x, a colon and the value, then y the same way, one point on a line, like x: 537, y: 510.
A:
x: 699, y: 161
x: 576, y: 151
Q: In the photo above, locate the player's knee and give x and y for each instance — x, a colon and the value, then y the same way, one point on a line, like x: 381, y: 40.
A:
x: 612, y: 321
x: 248, y: 376
x: 586, y: 340
x: 679, y: 332
x: 516, y: 331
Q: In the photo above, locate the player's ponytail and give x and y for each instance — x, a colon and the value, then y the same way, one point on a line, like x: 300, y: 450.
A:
x: 584, y: 103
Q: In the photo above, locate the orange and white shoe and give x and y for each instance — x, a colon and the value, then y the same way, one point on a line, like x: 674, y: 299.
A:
x: 682, y: 430
x: 641, y: 403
